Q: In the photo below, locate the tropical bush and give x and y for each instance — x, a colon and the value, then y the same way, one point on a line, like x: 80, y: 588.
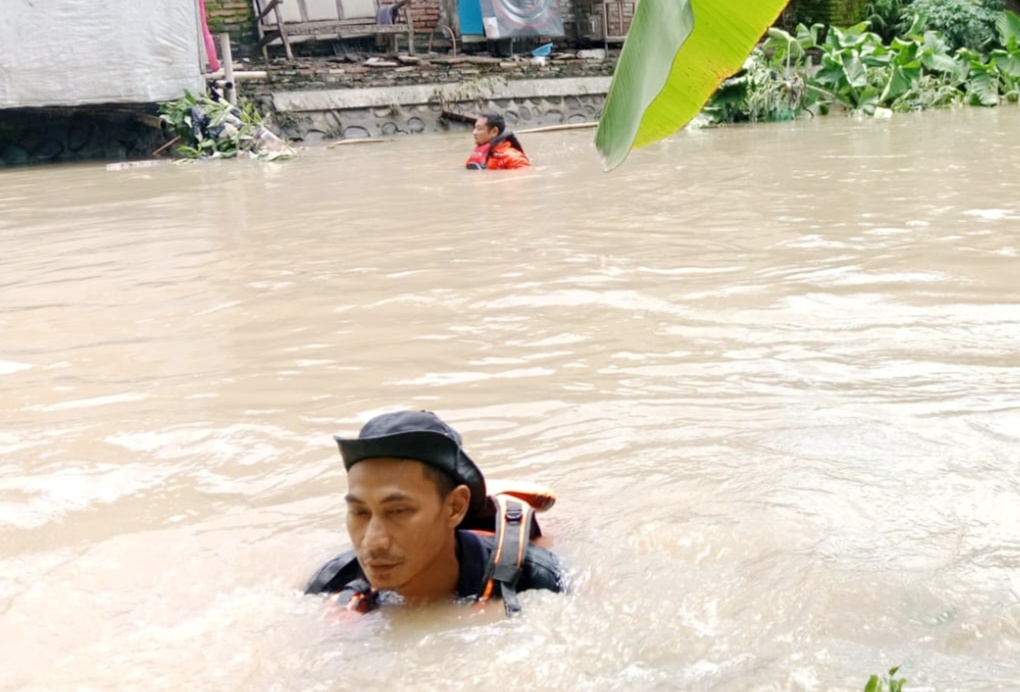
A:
x: 853, y: 69
x: 886, y: 16
x: 962, y: 23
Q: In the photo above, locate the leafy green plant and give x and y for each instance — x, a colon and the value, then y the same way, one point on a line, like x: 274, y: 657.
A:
x: 927, y: 91
x: 923, y: 74
x: 886, y: 683
x: 1007, y: 58
x: 662, y: 76
x: 996, y: 76
x: 855, y: 68
x: 791, y: 50
x: 216, y: 129
x: 860, y: 74
x: 758, y: 92
x: 963, y: 23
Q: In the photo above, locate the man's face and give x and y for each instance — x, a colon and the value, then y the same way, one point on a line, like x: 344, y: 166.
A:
x: 482, y: 132
x: 402, y: 531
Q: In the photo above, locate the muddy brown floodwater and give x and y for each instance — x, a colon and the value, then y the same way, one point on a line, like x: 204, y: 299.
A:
x: 772, y: 372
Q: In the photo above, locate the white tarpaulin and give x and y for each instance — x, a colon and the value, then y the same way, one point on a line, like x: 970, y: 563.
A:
x: 73, y: 52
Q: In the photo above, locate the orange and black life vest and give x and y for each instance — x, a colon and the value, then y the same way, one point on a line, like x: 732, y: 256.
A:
x: 515, y: 526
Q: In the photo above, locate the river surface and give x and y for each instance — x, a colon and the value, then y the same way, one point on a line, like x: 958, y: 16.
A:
x: 772, y: 372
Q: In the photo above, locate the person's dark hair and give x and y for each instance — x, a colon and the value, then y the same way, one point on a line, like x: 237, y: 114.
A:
x: 495, y: 120
x: 444, y: 482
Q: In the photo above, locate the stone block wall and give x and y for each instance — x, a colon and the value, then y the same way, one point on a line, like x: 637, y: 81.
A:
x: 344, y: 114
x: 311, y: 100
x: 338, y: 73
x: 388, y: 121
x: 236, y: 18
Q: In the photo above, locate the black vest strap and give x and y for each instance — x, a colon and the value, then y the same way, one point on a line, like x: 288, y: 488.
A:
x: 513, y: 530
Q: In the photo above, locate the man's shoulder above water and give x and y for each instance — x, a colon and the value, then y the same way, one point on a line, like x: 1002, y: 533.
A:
x: 540, y: 569
x: 505, y: 156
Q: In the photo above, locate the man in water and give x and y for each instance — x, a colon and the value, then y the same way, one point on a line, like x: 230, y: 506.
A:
x: 497, y: 148
x: 411, y: 487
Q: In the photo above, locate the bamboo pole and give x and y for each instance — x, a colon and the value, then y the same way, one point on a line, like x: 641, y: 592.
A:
x: 557, y: 128
x: 228, y: 69
x: 362, y: 140
x: 172, y: 141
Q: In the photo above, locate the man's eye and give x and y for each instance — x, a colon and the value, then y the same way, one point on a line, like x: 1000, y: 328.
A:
x: 360, y: 513
x: 400, y: 510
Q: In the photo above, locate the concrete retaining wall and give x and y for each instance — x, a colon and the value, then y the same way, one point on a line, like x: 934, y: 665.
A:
x: 386, y: 111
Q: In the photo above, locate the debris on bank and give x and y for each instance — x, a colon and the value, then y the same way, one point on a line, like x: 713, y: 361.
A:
x: 208, y: 128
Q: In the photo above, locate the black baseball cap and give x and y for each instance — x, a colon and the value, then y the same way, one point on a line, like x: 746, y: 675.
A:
x: 419, y: 436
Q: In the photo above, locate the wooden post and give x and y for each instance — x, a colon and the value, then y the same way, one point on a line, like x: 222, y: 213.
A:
x: 228, y: 69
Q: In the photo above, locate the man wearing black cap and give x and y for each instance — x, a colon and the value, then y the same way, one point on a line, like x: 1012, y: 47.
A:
x: 410, y: 487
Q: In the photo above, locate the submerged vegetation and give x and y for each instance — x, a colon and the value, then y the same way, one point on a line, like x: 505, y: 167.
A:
x: 886, y: 683
x: 819, y: 68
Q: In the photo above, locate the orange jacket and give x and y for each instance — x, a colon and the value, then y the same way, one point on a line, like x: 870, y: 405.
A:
x: 504, y: 155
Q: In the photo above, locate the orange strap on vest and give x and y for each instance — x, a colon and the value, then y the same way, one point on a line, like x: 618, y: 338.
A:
x: 513, y: 531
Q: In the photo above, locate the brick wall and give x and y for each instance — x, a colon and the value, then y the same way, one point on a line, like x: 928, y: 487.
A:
x: 236, y: 18
x: 426, y: 15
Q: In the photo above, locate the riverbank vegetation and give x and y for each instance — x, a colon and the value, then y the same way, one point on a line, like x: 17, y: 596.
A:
x: 957, y: 51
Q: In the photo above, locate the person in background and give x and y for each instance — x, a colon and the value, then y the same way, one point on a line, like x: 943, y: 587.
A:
x: 389, y: 14
x: 496, y: 147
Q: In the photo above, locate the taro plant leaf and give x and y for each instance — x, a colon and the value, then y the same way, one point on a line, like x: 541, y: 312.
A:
x: 905, y: 72
x: 906, y: 51
x: 856, y: 75
x: 1008, y: 25
x: 868, y: 101
x: 917, y: 22
x: 1007, y: 59
x: 1007, y: 63
x: 807, y: 37
x: 789, y: 49
x: 784, y: 48
x: 676, y: 54
x: 934, y: 54
x: 983, y: 85
x: 900, y: 81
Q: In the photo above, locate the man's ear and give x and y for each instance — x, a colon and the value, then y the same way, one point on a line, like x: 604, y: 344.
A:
x: 457, y: 502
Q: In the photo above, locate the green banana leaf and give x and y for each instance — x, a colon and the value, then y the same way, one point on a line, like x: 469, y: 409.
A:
x: 676, y: 55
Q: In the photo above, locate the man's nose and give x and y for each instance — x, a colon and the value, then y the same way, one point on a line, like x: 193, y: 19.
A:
x: 376, y: 536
